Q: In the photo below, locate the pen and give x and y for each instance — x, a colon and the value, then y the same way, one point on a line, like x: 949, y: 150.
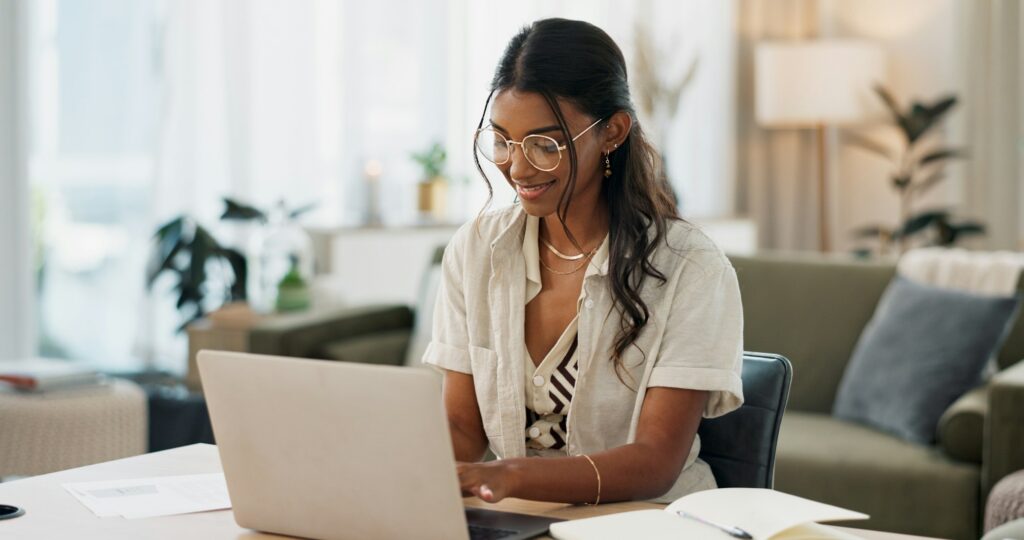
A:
x: 731, y: 531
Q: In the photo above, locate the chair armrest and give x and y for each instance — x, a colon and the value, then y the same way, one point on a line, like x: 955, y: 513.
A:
x: 962, y: 427
x: 307, y: 334
x: 1004, y: 427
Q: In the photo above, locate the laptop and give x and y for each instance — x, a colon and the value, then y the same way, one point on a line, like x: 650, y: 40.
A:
x: 323, y: 449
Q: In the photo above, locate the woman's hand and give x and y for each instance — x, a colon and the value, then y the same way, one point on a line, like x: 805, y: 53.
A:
x: 491, y: 481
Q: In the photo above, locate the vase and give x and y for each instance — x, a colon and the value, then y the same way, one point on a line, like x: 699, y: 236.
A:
x: 282, y: 256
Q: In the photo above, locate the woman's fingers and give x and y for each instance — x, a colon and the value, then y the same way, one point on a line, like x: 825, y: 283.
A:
x: 479, y: 480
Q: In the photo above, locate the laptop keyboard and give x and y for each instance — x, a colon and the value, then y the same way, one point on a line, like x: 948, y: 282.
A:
x: 477, y: 532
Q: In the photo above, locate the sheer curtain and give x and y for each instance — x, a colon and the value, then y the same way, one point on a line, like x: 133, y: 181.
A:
x: 994, y: 105
x: 17, y: 311
x: 775, y: 177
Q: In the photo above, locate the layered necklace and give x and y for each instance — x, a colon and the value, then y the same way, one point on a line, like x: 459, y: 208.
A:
x: 584, y: 256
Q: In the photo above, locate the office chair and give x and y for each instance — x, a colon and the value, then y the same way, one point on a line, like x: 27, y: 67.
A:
x: 740, y: 446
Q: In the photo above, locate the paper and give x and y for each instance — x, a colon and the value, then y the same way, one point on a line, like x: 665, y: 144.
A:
x: 152, y: 497
x: 764, y: 513
x: 761, y: 512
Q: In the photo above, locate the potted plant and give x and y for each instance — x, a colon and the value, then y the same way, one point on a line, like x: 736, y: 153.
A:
x: 281, y: 253
x: 917, y: 167
x: 190, y: 252
x: 433, y: 186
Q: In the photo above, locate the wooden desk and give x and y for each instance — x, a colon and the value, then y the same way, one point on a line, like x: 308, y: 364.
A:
x: 53, y: 513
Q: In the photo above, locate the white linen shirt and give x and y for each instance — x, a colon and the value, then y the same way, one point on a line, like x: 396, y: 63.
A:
x: 693, y: 338
x: 540, y: 385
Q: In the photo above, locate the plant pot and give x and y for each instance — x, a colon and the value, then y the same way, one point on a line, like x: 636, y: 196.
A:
x: 433, y: 195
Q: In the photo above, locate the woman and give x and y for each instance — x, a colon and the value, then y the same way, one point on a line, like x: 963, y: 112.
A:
x: 585, y: 332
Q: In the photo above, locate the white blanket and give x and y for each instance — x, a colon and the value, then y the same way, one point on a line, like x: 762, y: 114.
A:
x: 993, y: 273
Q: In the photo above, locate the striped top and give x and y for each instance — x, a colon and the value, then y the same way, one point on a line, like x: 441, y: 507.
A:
x: 551, y: 384
x: 548, y: 394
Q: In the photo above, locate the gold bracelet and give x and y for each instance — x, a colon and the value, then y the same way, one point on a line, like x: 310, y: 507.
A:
x: 598, y: 473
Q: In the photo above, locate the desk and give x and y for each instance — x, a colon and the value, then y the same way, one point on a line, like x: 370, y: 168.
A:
x: 52, y: 513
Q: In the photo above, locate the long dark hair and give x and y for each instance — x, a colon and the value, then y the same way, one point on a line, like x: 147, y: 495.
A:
x: 579, y: 62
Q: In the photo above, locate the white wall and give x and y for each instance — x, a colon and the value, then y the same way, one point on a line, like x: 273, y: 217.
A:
x: 16, y: 315
x: 921, y: 40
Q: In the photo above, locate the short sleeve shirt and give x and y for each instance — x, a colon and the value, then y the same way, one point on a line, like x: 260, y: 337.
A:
x: 693, y: 338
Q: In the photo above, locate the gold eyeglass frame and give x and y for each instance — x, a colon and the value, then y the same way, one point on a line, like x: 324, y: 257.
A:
x: 510, y: 142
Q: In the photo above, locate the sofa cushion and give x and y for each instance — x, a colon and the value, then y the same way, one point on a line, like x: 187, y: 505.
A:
x: 810, y: 310
x: 962, y: 426
x: 857, y: 467
x: 378, y: 348
x: 923, y: 348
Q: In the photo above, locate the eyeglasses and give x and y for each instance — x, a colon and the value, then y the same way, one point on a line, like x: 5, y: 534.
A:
x: 543, y: 152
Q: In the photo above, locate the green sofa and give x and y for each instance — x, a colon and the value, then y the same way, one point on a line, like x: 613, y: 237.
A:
x: 811, y: 310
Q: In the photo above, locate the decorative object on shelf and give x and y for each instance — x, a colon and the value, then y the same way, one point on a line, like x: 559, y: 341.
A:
x: 917, y: 167
x: 433, y: 187
x: 658, y: 96
x: 282, y: 256
x: 293, y: 289
x: 816, y: 84
x: 372, y: 171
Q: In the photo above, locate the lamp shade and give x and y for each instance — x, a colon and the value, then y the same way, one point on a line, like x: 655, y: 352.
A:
x: 810, y: 83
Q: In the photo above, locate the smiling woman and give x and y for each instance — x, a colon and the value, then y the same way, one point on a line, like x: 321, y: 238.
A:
x: 584, y: 332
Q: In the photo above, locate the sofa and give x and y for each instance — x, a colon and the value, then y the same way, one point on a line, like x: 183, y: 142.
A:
x: 812, y: 310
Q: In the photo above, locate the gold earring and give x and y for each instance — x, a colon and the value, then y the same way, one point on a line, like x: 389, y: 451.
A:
x: 607, y: 166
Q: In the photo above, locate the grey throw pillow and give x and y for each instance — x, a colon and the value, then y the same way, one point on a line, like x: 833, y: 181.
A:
x: 923, y: 348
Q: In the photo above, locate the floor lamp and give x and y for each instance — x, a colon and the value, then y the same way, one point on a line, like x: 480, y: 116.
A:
x: 815, y: 84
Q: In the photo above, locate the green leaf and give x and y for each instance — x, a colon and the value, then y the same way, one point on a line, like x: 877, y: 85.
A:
x: 237, y: 211
x: 171, y: 228
x: 894, y: 109
x: 941, y: 154
x: 941, y: 106
x: 920, y: 222
x: 237, y: 291
x: 901, y: 181
x: 167, y: 263
x: 203, y: 247
x: 297, y: 212
x: 924, y: 117
x: 949, y: 232
x: 432, y: 160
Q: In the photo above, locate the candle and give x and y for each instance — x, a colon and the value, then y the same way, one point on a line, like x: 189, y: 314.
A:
x: 372, y: 170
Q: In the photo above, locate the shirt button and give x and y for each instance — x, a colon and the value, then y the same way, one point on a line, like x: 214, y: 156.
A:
x: 534, y: 432
x: 538, y: 381
x: 588, y: 303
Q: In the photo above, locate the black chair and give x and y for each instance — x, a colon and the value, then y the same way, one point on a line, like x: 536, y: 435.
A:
x: 740, y: 446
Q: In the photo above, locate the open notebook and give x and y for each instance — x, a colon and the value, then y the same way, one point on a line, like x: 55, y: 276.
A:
x: 763, y: 513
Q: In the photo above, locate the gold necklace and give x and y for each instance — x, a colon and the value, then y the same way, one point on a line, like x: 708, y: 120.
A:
x: 563, y: 256
x: 586, y: 261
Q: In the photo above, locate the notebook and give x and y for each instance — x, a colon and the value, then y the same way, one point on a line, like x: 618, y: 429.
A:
x: 38, y: 375
x: 763, y: 513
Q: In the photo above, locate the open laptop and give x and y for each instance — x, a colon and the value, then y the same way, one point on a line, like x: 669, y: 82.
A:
x: 324, y: 449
